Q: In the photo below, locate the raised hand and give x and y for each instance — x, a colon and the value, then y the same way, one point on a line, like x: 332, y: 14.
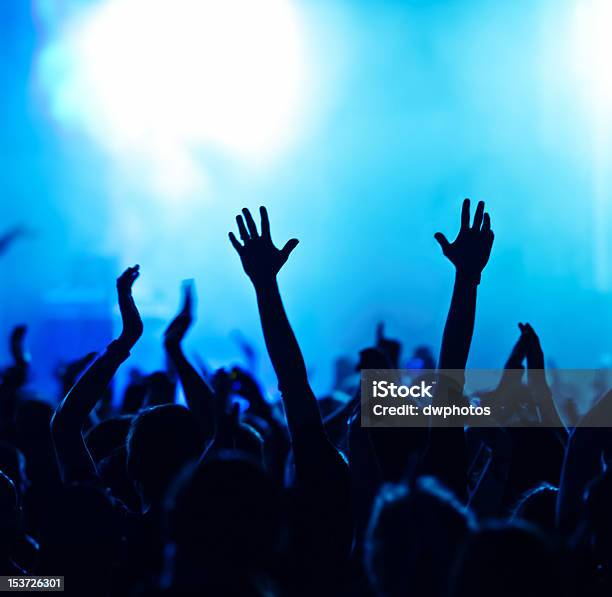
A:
x: 517, y: 355
x: 391, y: 348
x: 198, y: 395
x: 130, y: 317
x: 470, y: 251
x: 512, y: 374
x: 319, y: 468
x: 533, y: 348
x: 18, y: 351
x: 179, y: 326
x: 534, y: 355
x: 261, y: 260
x: 16, y: 375
x: 536, y: 378
x: 71, y: 415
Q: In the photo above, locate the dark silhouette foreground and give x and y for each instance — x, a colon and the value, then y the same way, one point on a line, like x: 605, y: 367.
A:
x: 294, y: 497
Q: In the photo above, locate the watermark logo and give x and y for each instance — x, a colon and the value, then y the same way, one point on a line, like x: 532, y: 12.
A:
x: 384, y: 389
x: 486, y: 398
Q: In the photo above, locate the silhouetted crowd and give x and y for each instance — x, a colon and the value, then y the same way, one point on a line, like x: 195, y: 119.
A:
x: 237, y: 494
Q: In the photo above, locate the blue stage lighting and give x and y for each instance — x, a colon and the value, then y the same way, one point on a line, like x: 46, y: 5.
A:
x: 155, y: 82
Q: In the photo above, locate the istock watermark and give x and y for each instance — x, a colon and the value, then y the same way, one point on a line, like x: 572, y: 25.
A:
x: 486, y: 398
x: 383, y: 389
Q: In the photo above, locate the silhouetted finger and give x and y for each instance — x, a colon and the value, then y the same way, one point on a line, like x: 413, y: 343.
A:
x: 235, y: 243
x: 244, y: 235
x: 486, y: 222
x: 265, y: 222
x: 288, y: 248
x: 527, y: 331
x: 442, y: 241
x: 250, y: 223
x: 465, y: 214
x: 478, y: 216
x: 131, y: 271
x: 532, y: 332
x: 126, y: 279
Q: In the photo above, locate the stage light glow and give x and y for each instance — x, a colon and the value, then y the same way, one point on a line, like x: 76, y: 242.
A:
x: 593, y: 52
x: 158, y: 81
x: 592, y: 61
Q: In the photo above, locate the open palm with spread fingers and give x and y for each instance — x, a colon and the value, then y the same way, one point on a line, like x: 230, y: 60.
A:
x: 470, y: 251
x: 261, y: 260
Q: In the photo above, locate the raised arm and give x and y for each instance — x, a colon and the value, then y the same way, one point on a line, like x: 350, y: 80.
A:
x: 198, y: 394
x: 321, y: 472
x: 536, y: 378
x: 14, y: 377
x: 262, y: 261
x: 391, y: 348
x: 446, y: 457
x: 73, y: 458
x: 469, y: 253
x: 19, y: 353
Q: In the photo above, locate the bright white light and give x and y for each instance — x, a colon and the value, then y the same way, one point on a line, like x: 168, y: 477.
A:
x: 156, y: 81
x: 593, y: 52
x: 593, y: 65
